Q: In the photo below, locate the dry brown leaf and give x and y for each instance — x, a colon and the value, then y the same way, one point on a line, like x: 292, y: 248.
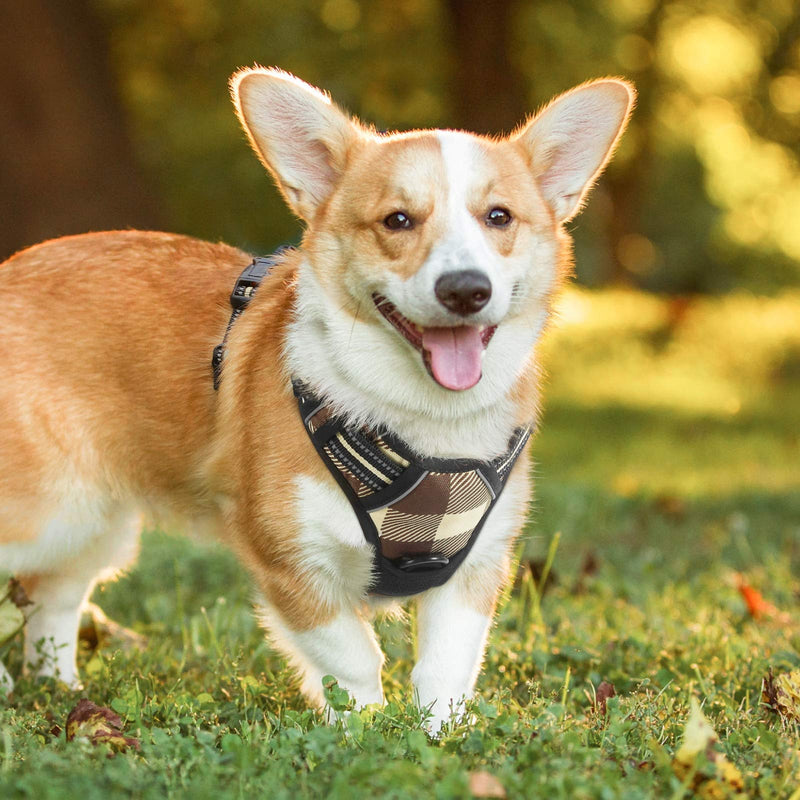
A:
x: 603, y: 693
x: 99, y: 725
x: 17, y: 594
x: 782, y: 694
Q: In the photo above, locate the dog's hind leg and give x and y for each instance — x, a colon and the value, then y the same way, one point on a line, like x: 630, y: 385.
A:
x: 52, y: 629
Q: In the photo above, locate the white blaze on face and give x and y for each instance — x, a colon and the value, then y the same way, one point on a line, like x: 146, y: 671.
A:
x: 464, y: 245
x: 455, y: 351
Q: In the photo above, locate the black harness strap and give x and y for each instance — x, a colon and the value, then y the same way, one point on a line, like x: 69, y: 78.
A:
x: 243, y: 290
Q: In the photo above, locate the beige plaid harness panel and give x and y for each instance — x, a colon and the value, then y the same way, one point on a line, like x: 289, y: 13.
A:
x: 438, y: 515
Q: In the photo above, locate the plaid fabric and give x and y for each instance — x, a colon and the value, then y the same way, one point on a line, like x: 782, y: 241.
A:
x: 437, y: 515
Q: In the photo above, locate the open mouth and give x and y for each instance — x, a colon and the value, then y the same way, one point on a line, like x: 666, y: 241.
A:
x: 452, y: 356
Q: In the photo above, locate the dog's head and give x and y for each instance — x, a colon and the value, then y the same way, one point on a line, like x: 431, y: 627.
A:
x: 437, y: 251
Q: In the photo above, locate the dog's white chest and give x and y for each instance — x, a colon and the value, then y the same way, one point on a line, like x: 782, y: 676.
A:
x: 330, y: 538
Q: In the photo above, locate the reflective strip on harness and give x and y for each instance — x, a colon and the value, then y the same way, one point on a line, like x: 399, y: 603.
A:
x: 421, y: 515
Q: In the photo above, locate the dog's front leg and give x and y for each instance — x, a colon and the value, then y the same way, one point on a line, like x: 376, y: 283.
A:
x: 451, y: 639
x: 344, y: 646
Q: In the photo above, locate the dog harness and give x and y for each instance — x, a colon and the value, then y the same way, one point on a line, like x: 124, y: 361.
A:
x: 421, y: 515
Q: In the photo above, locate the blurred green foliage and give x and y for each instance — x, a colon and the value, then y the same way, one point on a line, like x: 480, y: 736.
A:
x: 703, y: 195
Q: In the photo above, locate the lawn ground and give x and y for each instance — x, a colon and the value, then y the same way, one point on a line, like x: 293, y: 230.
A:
x: 668, y: 473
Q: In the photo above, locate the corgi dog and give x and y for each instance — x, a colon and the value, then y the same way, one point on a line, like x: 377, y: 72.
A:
x: 425, y: 277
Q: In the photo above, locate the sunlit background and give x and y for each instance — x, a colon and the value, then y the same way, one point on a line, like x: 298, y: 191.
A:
x: 115, y: 113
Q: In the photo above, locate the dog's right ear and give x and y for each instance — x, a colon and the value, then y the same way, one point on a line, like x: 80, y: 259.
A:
x: 300, y: 136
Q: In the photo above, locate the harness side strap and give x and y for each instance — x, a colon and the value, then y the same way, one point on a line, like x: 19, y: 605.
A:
x: 243, y: 290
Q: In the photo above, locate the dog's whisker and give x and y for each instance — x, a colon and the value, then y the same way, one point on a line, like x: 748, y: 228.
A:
x: 353, y: 326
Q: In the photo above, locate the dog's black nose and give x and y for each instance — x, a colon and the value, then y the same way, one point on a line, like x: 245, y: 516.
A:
x: 464, y: 292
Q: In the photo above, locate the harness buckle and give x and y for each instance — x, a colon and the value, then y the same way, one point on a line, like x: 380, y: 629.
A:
x: 426, y: 563
x: 248, y: 282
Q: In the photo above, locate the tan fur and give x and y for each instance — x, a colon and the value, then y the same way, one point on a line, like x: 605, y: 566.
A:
x: 384, y: 174
x: 105, y: 366
x: 255, y: 466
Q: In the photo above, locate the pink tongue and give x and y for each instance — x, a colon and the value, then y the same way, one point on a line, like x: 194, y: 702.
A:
x: 455, y: 355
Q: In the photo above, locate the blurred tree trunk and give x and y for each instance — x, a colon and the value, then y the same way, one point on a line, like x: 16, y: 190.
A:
x: 489, y: 93
x: 66, y: 161
x: 626, y: 187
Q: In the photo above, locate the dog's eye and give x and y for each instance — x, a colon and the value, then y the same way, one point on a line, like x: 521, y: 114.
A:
x: 398, y: 221
x: 498, y: 217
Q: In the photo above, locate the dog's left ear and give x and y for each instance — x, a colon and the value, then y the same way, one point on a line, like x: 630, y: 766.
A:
x: 571, y: 140
x: 299, y: 135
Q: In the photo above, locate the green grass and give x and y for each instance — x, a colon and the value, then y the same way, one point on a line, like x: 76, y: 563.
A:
x: 669, y: 449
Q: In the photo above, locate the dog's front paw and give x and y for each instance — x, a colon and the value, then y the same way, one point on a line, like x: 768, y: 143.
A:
x: 440, y: 716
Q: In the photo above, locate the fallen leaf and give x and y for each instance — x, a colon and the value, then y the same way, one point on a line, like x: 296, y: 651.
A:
x: 602, y: 694
x: 782, y: 694
x: 99, y: 725
x: 757, y: 606
x: 484, y: 784
x: 712, y: 777
x: 698, y: 735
